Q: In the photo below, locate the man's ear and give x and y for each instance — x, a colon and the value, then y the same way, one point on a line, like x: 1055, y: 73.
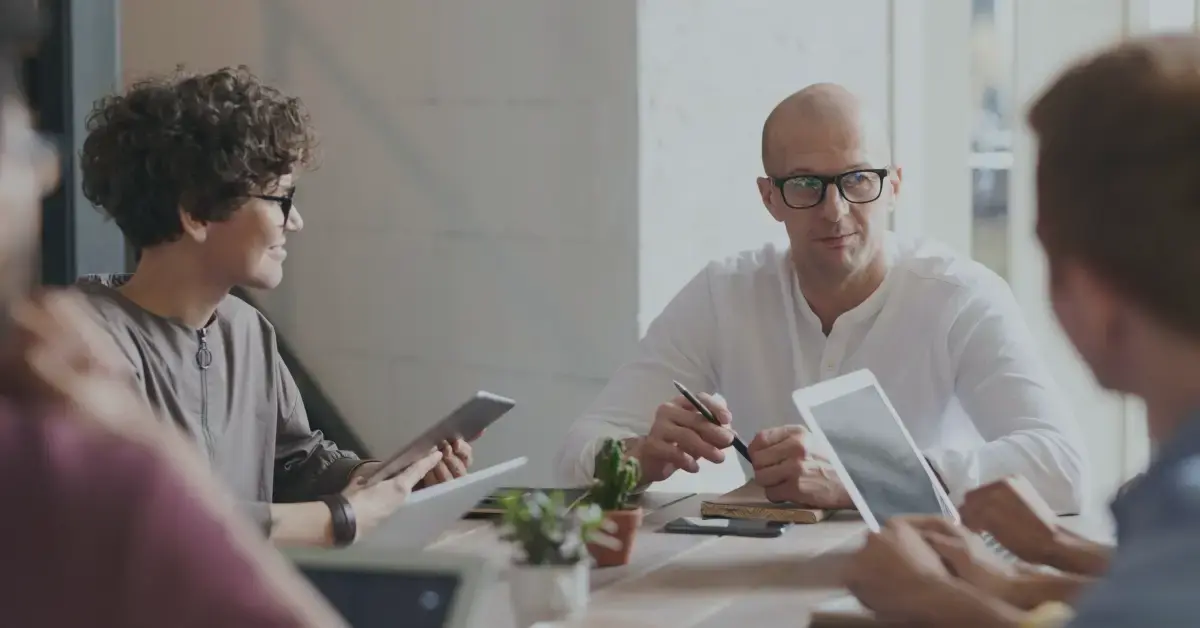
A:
x: 766, y: 190
x: 896, y: 178
x: 193, y: 227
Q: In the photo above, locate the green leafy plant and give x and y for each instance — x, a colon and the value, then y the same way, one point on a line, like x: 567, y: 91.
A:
x: 616, y: 477
x: 547, y: 529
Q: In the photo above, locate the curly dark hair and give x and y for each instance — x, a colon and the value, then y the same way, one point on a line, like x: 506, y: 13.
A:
x: 203, y: 142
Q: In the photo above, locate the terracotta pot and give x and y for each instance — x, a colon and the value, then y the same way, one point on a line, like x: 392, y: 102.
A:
x: 627, y: 523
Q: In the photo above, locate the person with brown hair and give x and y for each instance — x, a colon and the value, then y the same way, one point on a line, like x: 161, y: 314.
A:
x: 199, y: 172
x: 110, y: 520
x: 1118, y: 212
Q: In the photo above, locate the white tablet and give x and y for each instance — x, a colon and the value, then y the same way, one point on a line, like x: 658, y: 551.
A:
x: 371, y: 589
x: 466, y: 422
x: 874, y: 454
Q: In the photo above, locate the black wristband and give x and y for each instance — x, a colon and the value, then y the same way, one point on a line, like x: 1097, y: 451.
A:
x: 345, y: 527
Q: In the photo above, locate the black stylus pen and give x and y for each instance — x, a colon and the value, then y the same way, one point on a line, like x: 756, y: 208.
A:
x: 706, y: 413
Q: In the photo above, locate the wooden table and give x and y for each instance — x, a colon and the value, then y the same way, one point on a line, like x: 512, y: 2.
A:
x: 691, y: 580
x: 705, y: 581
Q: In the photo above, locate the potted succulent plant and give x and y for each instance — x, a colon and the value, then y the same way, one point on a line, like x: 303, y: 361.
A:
x: 549, y: 579
x: 616, y: 478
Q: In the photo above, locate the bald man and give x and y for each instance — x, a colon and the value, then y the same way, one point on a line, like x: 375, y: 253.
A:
x: 942, y: 334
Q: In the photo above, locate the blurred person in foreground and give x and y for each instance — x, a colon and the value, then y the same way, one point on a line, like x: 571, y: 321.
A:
x: 1118, y: 213
x: 199, y: 171
x: 109, y: 519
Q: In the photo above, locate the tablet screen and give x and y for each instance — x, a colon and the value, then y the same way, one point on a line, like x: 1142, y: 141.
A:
x: 869, y: 442
x: 386, y: 599
x: 467, y: 421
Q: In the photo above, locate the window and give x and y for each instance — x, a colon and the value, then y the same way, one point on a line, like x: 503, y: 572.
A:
x: 991, y: 153
x: 1172, y: 15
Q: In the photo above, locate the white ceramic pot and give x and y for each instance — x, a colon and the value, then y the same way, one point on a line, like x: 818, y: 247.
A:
x: 548, y: 593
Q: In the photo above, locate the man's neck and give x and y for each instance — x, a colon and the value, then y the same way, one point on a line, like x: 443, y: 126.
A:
x: 172, y: 284
x: 1168, y: 407
x: 829, y: 299
x: 1170, y: 386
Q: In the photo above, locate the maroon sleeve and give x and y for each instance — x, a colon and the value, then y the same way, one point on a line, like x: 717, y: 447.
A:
x: 184, y: 569
x: 103, y: 533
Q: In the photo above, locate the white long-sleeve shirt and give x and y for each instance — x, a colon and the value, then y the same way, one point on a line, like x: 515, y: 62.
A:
x: 942, y: 334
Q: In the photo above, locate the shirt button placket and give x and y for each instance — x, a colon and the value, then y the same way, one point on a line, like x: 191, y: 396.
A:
x: 831, y: 358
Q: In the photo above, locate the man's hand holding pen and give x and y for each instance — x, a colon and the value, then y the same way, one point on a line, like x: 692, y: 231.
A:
x: 680, y: 436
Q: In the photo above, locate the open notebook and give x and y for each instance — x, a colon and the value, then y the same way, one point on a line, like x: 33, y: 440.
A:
x: 749, y: 502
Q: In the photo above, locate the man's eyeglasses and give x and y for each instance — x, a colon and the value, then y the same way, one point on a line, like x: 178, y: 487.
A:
x: 808, y: 190
x: 285, y: 202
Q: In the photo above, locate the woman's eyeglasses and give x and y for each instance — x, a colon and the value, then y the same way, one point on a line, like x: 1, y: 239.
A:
x: 285, y: 202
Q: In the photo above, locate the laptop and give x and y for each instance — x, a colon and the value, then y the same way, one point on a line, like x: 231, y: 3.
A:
x: 383, y: 589
x: 430, y: 511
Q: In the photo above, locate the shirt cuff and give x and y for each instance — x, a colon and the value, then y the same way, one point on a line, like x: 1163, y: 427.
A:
x: 358, y: 468
x: 957, y: 470
x: 336, y: 477
x: 260, y: 514
x: 586, y: 467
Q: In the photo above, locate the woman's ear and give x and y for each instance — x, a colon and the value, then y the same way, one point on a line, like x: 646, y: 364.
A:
x: 193, y: 227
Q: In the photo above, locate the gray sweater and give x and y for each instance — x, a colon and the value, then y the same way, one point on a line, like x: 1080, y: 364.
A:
x: 228, y: 388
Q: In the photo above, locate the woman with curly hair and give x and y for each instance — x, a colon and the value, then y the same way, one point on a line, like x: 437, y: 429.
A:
x: 199, y: 172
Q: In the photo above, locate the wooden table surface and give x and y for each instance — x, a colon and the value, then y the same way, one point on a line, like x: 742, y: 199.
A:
x: 682, y: 580
x: 693, y: 580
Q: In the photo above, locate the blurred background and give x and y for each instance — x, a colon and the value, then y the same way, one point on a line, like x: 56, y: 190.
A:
x: 511, y: 190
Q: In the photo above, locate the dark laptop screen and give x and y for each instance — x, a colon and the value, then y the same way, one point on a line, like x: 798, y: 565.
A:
x: 387, y: 599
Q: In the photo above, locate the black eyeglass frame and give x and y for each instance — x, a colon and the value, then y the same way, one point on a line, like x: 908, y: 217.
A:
x: 835, y: 180
x: 285, y: 202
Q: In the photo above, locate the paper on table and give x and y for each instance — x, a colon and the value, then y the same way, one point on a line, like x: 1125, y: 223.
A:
x: 843, y: 612
x: 750, y: 502
x: 842, y: 604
